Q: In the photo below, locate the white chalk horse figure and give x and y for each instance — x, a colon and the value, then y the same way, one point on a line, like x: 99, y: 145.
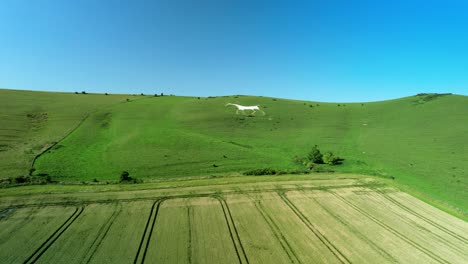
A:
x: 253, y: 108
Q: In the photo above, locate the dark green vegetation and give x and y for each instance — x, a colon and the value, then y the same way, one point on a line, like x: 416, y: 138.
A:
x: 420, y: 140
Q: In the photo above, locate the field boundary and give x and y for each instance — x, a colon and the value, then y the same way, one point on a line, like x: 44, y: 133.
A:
x: 393, y: 231
x: 241, y: 255
x: 201, y: 194
x: 56, y: 235
x: 338, y: 254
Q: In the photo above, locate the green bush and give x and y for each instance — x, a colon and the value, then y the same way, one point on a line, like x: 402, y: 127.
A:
x: 125, y: 176
x: 21, y: 179
x: 330, y: 158
x: 265, y: 171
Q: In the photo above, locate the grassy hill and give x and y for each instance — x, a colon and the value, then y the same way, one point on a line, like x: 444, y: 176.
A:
x: 420, y: 140
x: 32, y: 121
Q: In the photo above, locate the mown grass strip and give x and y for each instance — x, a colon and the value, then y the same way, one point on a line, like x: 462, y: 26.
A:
x: 393, y: 231
x: 429, y: 221
x: 52, y: 238
x: 277, y: 232
x: 340, y: 256
x: 356, y: 231
x: 102, y: 234
x: 241, y: 255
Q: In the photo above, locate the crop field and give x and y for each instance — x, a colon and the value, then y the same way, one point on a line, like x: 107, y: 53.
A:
x: 304, y: 221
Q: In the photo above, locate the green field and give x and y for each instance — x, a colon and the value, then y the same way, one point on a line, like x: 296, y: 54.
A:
x: 310, y: 219
x: 420, y: 141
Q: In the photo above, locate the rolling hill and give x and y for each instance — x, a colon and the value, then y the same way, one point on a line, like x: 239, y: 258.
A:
x: 420, y: 141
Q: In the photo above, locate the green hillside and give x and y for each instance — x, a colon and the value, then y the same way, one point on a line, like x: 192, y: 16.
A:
x: 32, y: 121
x: 420, y: 140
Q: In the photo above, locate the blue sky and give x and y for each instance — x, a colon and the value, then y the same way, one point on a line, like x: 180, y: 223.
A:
x: 315, y: 50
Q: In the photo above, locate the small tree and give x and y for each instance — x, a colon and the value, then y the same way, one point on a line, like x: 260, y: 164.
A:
x: 125, y: 176
x: 315, y: 156
x: 83, y: 92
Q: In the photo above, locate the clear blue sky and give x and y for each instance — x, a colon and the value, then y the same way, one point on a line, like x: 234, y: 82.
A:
x: 326, y: 50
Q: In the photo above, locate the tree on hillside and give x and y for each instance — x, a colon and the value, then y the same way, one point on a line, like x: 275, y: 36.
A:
x: 315, y: 156
x: 125, y: 176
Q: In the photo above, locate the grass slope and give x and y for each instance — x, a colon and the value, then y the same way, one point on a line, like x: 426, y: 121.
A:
x: 420, y: 140
x: 32, y: 121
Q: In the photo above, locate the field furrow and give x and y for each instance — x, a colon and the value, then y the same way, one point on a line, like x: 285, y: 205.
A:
x: 451, y: 225
x: 240, y: 251
x: 210, y: 237
x: 309, y: 246
x: 123, y: 236
x: 258, y: 239
x: 394, y: 230
x: 349, y: 240
x: 170, y: 241
x: 410, y: 226
x: 382, y: 236
x: 80, y: 238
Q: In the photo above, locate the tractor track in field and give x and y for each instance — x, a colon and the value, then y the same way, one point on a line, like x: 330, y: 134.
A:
x: 189, y: 242
x: 427, y: 220
x: 357, y: 182
x: 278, y: 234
x: 56, y: 235
x: 148, y: 232
x: 338, y: 254
x: 102, y: 234
x: 355, y: 231
x: 417, y: 225
x: 240, y: 252
x: 391, y: 230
